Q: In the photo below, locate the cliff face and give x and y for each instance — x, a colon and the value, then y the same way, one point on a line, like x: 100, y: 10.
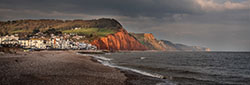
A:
x: 118, y: 41
x: 169, y: 46
x: 181, y: 47
x: 106, y: 34
x: 148, y: 40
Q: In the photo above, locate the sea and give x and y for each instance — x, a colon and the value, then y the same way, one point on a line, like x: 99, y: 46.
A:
x: 185, y: 68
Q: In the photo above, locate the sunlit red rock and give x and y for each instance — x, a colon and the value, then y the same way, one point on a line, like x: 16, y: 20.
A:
x: 118, y: 41
x: 148, y: 40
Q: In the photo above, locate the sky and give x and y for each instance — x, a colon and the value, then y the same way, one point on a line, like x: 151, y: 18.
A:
x: 222, y: 25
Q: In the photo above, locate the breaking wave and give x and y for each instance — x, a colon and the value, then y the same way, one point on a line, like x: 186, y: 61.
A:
x: 107, y: 62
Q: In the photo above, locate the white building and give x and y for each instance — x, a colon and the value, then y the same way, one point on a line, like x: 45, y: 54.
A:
x: 24, y: 43
x: 37, y: 43
x: 13, y: 42
x: 9, y: 39
x: 54, y: 42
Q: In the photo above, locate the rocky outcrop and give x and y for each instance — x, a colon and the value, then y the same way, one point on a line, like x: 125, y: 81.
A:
x: 181, y: 47
x: 118, y: 41
x: 169, y: 46
x: 140, y: 41
x: 148, y: 40
x: 110, y: 34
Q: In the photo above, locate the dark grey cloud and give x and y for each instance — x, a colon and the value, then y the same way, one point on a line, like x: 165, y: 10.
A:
x: 225, y: 30
x: 217, y: 24
x: 151, y: 8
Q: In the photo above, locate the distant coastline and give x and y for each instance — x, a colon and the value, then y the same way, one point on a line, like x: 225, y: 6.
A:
x: 96, y: 34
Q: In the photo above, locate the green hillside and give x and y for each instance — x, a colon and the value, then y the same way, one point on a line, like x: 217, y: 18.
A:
x: 102, y: 26
x: 90, y: 31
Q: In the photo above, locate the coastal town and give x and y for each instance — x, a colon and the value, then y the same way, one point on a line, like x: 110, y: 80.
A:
x: 40, y: 41
x: 124, y: 42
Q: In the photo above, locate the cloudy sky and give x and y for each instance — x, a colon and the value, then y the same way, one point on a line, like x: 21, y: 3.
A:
x: 222, y: 25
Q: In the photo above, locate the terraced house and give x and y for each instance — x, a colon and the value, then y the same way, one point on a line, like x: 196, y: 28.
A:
x: 56, y: 42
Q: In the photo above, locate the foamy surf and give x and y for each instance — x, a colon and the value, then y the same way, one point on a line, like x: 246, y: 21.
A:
x: 107, y: 62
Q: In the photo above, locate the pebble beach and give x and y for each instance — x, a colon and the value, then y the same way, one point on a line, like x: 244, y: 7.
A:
x: 63, y: 68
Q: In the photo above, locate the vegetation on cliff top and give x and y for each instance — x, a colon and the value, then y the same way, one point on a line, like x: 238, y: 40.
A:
x: 148, y: 40
x: 139, y: 37
x: 90, y: 31
x: 27, y: 26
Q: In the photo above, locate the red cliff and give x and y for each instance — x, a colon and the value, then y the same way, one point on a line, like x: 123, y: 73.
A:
x: 148, y: 40
x: 118, y: 41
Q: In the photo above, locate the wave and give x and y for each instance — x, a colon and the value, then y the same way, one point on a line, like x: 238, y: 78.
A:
x: 107, y: 62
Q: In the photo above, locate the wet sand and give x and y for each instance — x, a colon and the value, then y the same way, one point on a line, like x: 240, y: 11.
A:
x: 63, y: 68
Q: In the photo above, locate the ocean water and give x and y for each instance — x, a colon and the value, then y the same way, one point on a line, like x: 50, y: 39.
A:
x: 186, y: 68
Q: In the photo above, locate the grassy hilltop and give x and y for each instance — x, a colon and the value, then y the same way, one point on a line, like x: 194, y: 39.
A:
x: 91, y: 29
x: 28, y: 26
